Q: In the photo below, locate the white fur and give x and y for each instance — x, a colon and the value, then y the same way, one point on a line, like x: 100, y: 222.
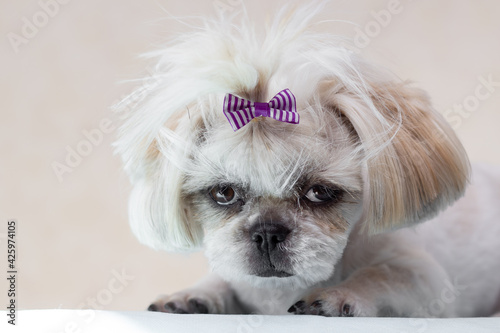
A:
x: 379, y: 140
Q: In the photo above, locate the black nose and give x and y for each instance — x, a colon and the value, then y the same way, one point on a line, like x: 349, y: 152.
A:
x: 267, y: 235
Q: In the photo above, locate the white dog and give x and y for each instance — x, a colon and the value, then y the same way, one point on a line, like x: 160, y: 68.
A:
x: 313, y: 206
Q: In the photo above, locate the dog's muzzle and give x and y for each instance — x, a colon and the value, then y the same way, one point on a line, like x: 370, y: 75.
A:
x: 270, y: 257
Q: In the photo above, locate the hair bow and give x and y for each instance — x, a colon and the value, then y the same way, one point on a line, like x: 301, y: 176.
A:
x: 240, y: 112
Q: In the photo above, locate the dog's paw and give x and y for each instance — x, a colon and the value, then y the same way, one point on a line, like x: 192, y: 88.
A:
x: 334, y: 302
x: 186, y: 302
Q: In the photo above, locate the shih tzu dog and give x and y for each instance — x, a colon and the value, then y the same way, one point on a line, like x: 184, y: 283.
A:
x: 306, y: 175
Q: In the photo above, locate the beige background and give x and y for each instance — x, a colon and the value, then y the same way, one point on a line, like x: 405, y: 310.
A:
x: 73, y: 236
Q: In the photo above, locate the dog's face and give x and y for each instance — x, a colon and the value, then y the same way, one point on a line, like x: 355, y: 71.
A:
x: 275, y: 202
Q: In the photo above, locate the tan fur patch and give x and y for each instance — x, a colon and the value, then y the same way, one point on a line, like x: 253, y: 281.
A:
x: 416, y: 165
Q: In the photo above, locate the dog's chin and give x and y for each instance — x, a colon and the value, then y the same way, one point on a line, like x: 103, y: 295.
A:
x: 285, y: 281
x: 273, y: 279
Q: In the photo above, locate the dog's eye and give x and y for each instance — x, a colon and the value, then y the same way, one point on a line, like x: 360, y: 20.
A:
x: 320, y: 194
x: 224, y: 195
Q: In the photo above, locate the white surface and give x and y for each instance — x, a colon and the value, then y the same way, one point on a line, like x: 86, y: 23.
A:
x: 90, y: 321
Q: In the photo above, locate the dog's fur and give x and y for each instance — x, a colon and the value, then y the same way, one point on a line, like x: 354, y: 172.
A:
x: 392, y: 160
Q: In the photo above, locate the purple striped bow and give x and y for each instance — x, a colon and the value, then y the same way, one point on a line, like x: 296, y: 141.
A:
x: 281, y: 107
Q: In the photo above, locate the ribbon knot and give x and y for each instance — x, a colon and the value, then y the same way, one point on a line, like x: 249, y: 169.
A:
x: 281, y: 107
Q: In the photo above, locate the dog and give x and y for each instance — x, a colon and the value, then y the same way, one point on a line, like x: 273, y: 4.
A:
x: 316, y: 182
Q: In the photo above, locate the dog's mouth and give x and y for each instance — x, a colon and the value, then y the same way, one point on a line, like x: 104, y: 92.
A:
x: 272, y: 272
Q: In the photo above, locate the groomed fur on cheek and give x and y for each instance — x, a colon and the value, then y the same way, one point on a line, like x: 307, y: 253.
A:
x: 316, y: 250
x: 330, y: 221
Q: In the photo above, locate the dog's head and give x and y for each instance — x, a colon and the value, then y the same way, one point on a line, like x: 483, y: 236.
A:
x: 273, y: 201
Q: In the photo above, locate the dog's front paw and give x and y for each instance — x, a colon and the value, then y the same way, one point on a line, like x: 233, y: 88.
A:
x: 186, y: 302
x: 334, y: 302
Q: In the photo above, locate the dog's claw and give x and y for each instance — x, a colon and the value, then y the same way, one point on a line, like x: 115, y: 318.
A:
x: 196, y: 306
x: 316, y: 308
x: 192, y: 306
x: 192, y: 302
x: 298, y: 308
x: 321, y: 308
x: 170, y: 307
x: 347, y: 311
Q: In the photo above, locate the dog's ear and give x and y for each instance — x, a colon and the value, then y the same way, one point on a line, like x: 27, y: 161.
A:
x: 414, y: 164
x: 158, y: 209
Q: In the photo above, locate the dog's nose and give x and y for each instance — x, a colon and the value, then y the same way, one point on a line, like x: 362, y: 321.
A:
x: 267, y: 235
